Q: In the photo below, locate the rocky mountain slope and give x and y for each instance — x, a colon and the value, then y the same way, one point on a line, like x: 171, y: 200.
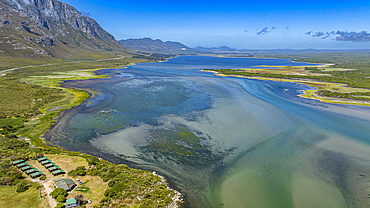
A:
x: 36, y: 28
x: 157, y: 46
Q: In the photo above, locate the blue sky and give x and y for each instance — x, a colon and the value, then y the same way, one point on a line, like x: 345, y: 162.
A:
x: 261, y: 24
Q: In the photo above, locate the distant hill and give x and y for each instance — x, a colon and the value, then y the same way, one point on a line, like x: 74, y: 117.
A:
x: 36, y: 28
x: 157, y: 46
x: 221, y: 49
x: 251, y: 52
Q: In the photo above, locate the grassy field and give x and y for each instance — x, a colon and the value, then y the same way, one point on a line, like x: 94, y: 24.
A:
x: 93, y: 188
x: 9, y: 62
x: 11, y: 121
x: 9, y: 198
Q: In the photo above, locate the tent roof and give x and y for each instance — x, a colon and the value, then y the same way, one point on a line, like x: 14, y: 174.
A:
x: 42, y: 158
x: 17, y: 161
x: 71, y: 201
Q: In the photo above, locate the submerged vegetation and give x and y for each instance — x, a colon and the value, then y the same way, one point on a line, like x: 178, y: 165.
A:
x: 185, y: 145
x: 180, y: 142
x: 31, y: 100
x: 32, y: 94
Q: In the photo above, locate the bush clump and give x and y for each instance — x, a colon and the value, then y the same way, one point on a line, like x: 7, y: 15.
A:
x: 58, y: 192
x: 79, y: 171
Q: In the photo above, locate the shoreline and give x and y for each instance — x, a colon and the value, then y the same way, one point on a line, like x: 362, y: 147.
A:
x: 76, y: 97
x: 307, y: 94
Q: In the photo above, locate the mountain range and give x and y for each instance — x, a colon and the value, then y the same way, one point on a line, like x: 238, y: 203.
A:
x: 147, y: 45
x: 49, y: 28
x: 39, y: 28
x: 228, y: 50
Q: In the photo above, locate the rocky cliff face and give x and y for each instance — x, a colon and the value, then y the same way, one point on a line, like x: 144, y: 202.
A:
x: 49, y: 27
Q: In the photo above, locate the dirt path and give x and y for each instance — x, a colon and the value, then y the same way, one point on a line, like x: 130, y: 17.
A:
x: 48, y: 187
x: 3, y: 73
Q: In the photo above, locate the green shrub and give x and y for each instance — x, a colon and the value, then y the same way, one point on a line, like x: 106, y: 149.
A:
x: 73, y: 153
x: 17, y: 178
x: 61, y: 198
x: 105, y: 200
x: 22, y: 187
x: 57, y: 192
x: 119, y: 187
x: 94, y: 172
x: 79, y: 171
x: 110, y: 193
x: 43, y: 177
x: 92, y: 161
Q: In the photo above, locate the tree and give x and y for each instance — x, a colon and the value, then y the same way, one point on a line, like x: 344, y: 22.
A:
x: 57, y: 192
x: 110, y: 193
x: 79, y: 171
x: 92, y: 161
x: 61, y: 198
x: 79, y: 199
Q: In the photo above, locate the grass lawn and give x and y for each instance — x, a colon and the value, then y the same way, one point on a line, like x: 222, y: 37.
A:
x: 67, y: 163
x: 30, y: 198
x: 94, y: 189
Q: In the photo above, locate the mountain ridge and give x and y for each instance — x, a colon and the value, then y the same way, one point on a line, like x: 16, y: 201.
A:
x: 148, y: 45
x: 226, y: 49
x: 34, y: 28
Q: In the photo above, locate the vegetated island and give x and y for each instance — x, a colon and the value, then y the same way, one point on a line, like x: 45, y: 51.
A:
x: 38, y: 101
x: 339, y: 83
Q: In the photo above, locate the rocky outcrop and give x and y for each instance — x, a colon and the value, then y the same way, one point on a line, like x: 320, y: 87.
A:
x: 52, y: 13
x: 51, y: 26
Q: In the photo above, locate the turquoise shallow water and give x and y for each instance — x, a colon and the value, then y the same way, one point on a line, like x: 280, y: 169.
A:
x: 224, y: 142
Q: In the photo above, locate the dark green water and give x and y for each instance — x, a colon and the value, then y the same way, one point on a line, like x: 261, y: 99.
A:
x: 224, y: 142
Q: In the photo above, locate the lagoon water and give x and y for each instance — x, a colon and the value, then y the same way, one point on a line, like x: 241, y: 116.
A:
x: 223, y: 141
